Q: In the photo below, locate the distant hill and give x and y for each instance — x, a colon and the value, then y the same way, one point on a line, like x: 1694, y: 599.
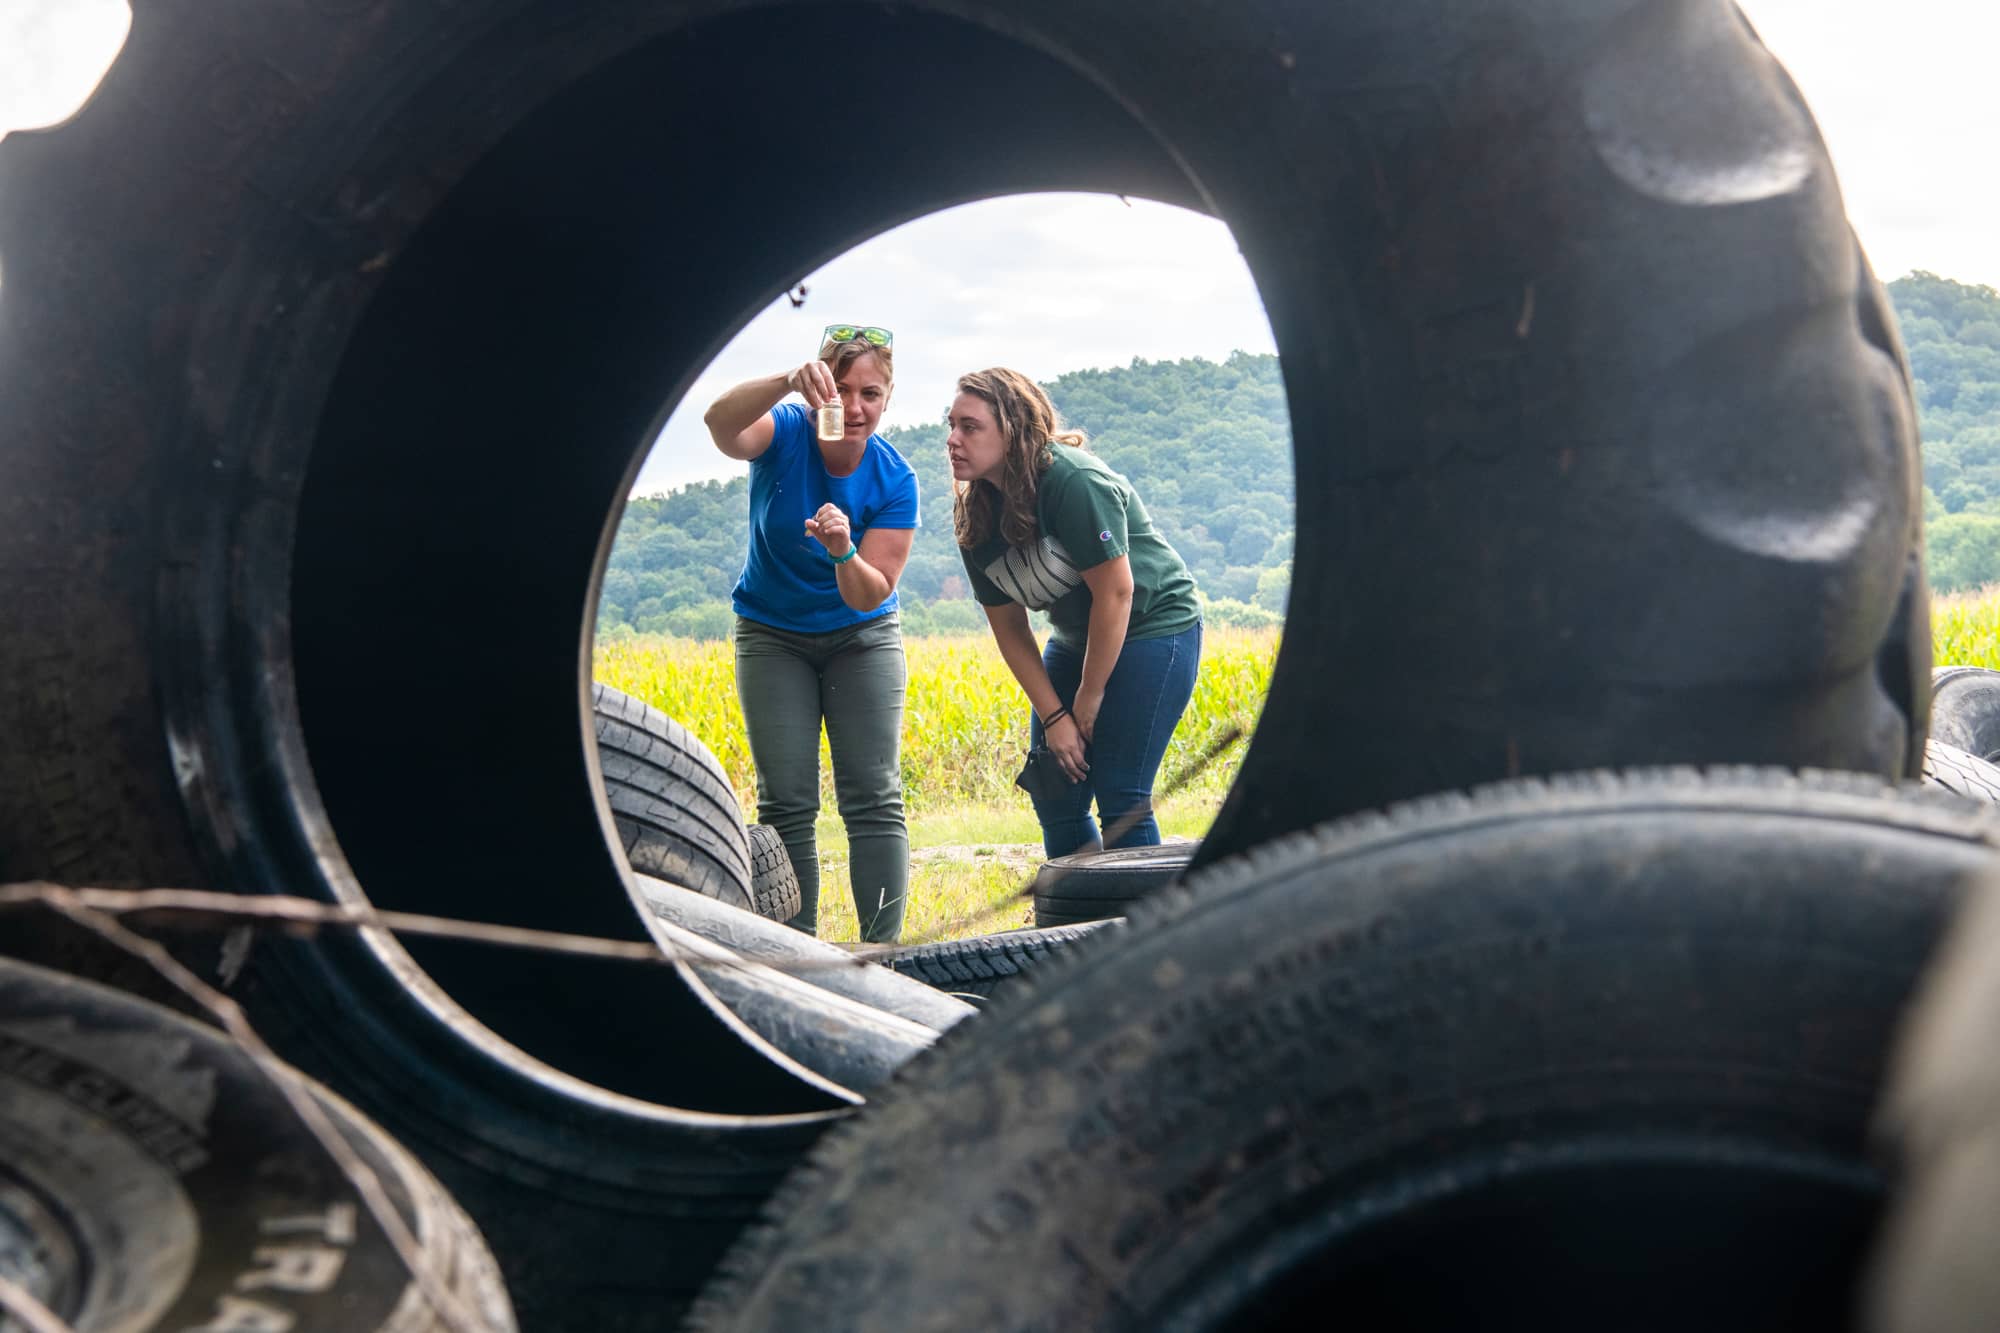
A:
x: 1952, y: 331
x: 1208, y: 445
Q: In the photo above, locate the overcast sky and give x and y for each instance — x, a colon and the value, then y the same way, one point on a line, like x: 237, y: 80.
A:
x: 1902, y: 93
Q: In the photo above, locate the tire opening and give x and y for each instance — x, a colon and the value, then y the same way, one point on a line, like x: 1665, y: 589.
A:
x: 482, y: 427
x: 1644, y: 1243
x: 1076, y: 290
x: 40, y: 1251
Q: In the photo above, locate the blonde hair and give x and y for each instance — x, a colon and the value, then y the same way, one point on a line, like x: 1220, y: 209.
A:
x: 841, y: 355
x: 1031, y: 428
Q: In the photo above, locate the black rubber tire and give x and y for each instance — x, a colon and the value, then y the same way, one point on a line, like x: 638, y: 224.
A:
x: 772, y: 878
x: 1095, y: 886
x: 1965, y: 710
x: 1596, y: 1053
x: 797, y: 954
x: 1953, y: 769
x: 980, y: 965
x: 1559, y: 338
x: 158, y: 1179
x: 675, y: 811
x: 1934, y: 1270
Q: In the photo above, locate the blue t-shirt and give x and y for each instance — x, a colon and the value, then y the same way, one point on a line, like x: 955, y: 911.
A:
x: 788, y: 578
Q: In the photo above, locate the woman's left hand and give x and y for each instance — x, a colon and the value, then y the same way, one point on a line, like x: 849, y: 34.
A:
x: 1084, y: 710
x: 829, y: 528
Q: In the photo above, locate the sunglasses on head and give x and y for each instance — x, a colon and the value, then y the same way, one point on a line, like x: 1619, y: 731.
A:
x: 845, y: 333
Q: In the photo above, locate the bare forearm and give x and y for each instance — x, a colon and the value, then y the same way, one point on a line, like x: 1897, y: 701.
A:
x: 1110, y: 618
x: 862, y: 586
x: 739, y: 407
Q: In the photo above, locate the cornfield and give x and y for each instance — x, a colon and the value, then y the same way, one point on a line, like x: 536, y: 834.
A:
x: 1965, y: 628
x: 965, y: 722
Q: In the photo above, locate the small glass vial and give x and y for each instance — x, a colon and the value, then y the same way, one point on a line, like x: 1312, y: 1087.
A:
x: 832, y: 422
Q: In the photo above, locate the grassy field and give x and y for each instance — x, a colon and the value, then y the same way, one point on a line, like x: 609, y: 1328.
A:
x: 973, y: 837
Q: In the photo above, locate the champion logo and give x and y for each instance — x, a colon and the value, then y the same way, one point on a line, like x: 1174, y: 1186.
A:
x: 1105, y: 535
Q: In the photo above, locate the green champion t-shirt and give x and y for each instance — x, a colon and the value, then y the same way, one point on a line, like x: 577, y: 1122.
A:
x: 1087, y: 514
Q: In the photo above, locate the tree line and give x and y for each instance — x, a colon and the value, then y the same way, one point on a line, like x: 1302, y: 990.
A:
x: 1952, y: 332
x: 1208, y: 446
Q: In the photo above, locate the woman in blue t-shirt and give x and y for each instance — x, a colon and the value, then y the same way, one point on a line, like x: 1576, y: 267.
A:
x: 817, y: 635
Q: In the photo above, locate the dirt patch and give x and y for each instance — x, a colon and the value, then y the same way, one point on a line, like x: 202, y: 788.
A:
x: 1022, y: 856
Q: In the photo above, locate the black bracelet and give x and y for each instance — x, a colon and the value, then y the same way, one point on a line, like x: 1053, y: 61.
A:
x: 1055, y: 717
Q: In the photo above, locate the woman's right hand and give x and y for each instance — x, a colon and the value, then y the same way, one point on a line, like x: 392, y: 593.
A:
x: 1065, y: 742
x: 814, y: 382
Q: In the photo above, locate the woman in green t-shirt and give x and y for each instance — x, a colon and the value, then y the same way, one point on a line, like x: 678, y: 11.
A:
x: 1044, y: 525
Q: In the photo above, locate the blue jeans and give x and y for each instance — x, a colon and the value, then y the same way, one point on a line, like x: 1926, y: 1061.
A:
x: 1148, y: 691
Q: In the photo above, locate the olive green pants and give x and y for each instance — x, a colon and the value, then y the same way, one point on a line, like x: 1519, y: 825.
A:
x: 853, y: 680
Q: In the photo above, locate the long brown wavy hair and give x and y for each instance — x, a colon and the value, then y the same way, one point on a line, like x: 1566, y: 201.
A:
x: 1031, y: 428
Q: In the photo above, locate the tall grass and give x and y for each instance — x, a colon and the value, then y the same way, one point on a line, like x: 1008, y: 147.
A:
x: 965, y: 722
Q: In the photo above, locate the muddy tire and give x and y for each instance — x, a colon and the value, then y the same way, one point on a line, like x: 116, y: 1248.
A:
x: 1512, y: 1060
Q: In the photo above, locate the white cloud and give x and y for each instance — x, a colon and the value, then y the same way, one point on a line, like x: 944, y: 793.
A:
x: 1904, y: 97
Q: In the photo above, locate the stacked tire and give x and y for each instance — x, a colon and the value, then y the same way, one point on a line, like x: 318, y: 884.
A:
x: 774, y: 883
x: 1095, y: 886
x: 676, y: 812
x: 673, y: 806
x: 1601, y: 420
x: 1965, y: 710
x: 976, y: 967
x: 160, y: 1176
x: 1506, y: 1060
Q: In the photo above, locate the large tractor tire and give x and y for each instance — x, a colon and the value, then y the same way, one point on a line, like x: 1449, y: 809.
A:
x: 333, y: 331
